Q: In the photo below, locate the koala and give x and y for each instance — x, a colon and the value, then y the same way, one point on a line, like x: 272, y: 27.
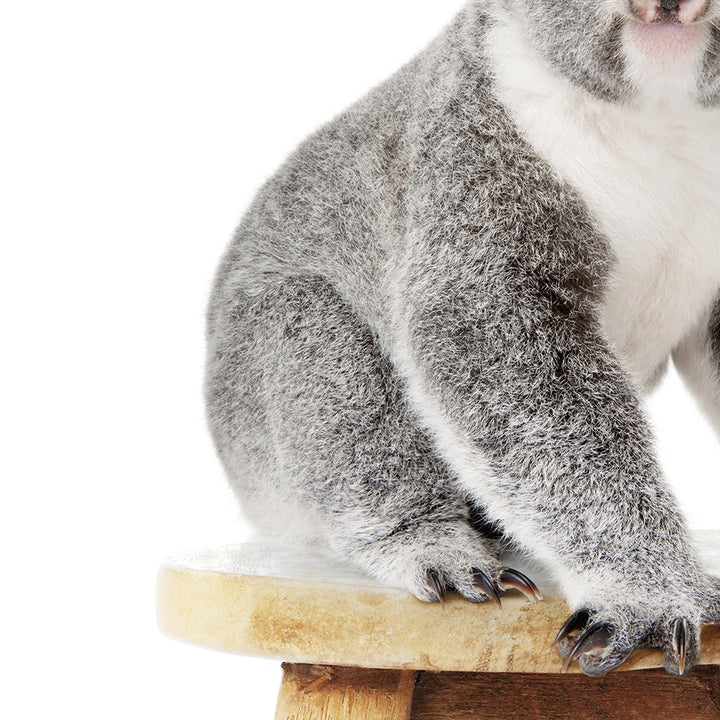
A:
x: 433, y: 331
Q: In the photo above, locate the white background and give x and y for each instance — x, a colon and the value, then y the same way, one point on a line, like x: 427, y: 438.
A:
x: 133, y: 136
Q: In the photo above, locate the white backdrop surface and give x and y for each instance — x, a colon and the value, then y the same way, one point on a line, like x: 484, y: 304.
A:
x: 132, y: 138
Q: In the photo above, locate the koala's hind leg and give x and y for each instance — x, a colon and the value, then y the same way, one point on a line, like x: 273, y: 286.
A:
x: 309, y: 415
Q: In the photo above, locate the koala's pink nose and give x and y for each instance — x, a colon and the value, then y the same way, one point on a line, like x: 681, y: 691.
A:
x: 682, y: 11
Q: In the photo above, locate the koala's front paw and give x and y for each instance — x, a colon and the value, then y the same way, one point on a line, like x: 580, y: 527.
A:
x: 602, y: 640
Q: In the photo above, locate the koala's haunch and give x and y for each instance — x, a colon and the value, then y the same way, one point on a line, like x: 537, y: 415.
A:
x: 434, y: 327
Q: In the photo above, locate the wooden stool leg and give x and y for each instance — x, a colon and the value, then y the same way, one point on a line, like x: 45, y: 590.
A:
x: 325, y: 692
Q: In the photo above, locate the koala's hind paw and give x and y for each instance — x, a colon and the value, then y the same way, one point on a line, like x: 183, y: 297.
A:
x: 431, y: 558
x: 600, y: 643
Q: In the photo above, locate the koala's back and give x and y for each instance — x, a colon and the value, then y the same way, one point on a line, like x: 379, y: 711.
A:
x: 335, y: 206
x: 339, y: 206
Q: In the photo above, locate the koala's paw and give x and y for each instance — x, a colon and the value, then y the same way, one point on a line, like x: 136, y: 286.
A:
x: 431, y: 559
x: 602, y: 640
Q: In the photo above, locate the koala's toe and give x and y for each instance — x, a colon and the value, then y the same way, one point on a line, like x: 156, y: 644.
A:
x: 486, y: 585
x: 474, y: 584
x: 598, y: 649
x: 592, y: 642
x: 601, y: 663
x: 435, y: 586
x: 571, y: 630
x: 513, y: 579
x: 682, y: 651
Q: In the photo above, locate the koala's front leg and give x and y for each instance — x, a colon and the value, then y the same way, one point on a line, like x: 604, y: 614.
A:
x: 505, y: 360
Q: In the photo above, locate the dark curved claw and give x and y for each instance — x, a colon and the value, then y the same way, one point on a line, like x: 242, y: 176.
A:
x: 592, y: 638
x: 510, y: 578
x: 576, y: 622
x: 436, y: 585
x: 680, y: 635
x: 481, y: 580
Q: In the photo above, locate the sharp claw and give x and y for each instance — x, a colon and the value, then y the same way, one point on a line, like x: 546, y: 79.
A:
x: 510, y: 578
x: 593, y: 638
x: 680, y: 635
x: 433, y: 580
x: 576, y: 622
x: 481, y: 580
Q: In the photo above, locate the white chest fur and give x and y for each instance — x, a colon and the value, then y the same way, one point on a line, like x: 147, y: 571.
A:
x: 651, y: 180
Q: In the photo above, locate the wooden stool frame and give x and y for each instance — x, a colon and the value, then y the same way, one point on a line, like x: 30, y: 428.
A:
x: 354, y: 649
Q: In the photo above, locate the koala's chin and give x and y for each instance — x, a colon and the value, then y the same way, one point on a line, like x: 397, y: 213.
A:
x: 671, y: 54
x: 632, y: 50
x: 435, y: 326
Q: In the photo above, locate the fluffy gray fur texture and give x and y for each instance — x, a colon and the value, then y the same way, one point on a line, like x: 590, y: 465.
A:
x: 404, y: 344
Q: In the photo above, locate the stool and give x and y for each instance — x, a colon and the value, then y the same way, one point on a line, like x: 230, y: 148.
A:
x: 353, y: 648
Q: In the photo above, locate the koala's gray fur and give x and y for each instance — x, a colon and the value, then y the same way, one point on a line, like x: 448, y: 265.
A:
x: 404, y: 339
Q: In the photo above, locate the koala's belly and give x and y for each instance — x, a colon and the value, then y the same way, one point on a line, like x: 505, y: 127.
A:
x: 656, y: 198
x: 651, y: 181
x: 650, y: 306
x: 655, y: 194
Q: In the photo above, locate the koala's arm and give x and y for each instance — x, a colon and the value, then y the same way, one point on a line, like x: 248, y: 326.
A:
x: 504, y: 359
x: 697, y: 359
